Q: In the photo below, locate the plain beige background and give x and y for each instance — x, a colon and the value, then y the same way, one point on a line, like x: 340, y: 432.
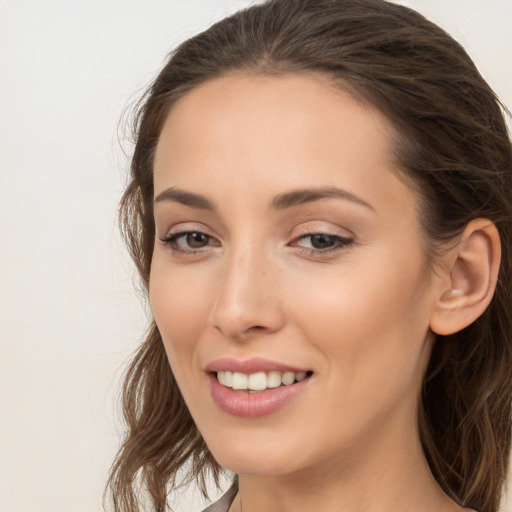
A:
x: 69, y: 315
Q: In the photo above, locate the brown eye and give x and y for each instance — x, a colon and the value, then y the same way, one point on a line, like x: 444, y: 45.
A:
x: 323, y: 241
x: 189, y: 242
x: 197, y: 240
x: 321, y: 244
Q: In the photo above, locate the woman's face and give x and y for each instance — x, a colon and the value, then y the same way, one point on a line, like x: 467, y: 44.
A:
x: 287, y: 249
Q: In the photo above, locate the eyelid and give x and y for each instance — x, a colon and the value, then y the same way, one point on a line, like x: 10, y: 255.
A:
x: 339, y: 238
x: 342, y: 241
x: 187, y: 227
x: 338, y: 242
x: 321, y: 227
x: 171, y: 242
x: 171, y: 239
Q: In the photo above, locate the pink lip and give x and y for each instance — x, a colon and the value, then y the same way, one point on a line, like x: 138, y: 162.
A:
x: 256, y: 364
x: 251, y: 405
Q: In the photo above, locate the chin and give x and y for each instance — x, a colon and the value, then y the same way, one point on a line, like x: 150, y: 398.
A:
x: 256, y: 466
x: 258, y: 458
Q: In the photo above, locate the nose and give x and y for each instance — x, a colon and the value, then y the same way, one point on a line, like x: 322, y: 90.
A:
x: 247, y: 302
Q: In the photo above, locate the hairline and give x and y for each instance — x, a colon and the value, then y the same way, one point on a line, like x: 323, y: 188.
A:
x: 397, y: 139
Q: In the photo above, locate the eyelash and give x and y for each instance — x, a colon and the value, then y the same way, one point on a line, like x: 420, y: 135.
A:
x: 171, y: 242
x: 339, y: 243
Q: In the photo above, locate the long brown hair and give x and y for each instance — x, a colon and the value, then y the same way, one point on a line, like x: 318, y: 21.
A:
x: 452, y: 147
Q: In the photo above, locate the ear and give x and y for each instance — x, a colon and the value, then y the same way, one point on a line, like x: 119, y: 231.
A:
x: 468, y: 278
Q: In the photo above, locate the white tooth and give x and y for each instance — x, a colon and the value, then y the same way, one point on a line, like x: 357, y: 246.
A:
x: 221, y: 377
x: 257, y: 381
x: 225, y: 378
x: 274, y: 379
x: 288, y: 378
x: 300, y: 376
x: 239, y: 380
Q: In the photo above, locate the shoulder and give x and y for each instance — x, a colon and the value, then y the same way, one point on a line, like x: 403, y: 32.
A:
x: 223, y: 504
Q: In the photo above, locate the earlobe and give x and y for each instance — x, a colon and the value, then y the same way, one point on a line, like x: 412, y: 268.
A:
x: 470, y: 276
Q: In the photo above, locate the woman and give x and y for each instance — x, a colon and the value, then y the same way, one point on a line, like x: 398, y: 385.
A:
x: 320, y: 210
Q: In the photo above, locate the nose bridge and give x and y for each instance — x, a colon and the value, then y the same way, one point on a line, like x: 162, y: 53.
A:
x: 246, y: 301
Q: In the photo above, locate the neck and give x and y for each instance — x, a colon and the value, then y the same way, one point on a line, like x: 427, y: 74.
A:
x: 384, y: 478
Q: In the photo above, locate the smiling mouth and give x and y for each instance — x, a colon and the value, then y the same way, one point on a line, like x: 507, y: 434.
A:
x: 259, y: 381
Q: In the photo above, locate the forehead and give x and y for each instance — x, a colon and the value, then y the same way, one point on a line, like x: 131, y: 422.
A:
x: 238, y: 132
x: 256, y: 105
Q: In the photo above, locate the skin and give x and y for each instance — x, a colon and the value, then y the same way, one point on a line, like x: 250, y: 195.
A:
x: 358, y: 315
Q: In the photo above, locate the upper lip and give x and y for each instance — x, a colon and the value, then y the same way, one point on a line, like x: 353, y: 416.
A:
x: 253, y: 365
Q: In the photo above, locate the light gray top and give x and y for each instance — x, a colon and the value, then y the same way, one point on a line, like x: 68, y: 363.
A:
x: 223, y: 504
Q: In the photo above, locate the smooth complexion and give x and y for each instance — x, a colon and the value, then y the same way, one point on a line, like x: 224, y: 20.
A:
x: 284, y: 234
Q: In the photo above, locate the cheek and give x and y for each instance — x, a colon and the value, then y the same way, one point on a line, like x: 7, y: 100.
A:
x: 180, y: 308
x: 371, y: 330
x: 371, y: 321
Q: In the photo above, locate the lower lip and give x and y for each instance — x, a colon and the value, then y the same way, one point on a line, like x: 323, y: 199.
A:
x: 252, y: 405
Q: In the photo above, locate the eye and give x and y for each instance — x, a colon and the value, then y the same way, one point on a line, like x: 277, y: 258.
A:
x: 195, y: 240
x: 189, y: 242
x: 321, y: 243
x: 322, y: 240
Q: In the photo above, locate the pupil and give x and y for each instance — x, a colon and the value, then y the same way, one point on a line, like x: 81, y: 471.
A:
x: 321, y: 241
x: 197, y: 240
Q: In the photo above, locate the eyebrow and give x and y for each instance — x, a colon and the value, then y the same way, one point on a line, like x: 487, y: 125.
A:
x: 280, y: 202
x: 307, y: 195
x: 186, y: 198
